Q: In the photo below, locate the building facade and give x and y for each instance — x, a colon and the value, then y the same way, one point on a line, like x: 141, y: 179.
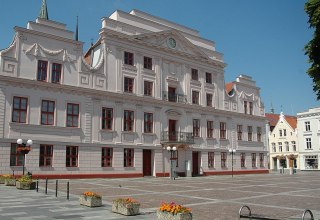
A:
x: 146, y: 84
x: 308, y: 136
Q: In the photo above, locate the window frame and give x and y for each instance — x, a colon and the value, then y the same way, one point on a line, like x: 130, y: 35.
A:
x: 249, y: 133
x: 195, y: 97
x: 261, y: 159
x: 223, y: 130
x: 245, y: 104
x: 128, y: 84
x: 148, y: 122
x: 148, y: 88
x: 56, y: 73
x: 106, y: 120
x: 20, y: 110
x: 243, y: 160
x: 308, y: 144
x: 128, y: 157
x: 250, y: 108
x: 70, y: 157
x: 254, y: 160
x: 209, y: 98
x: 196, y: 127
x: 42, y: 71
x: 210, y: 129
x: 16, y: 157
x: 47, y: 113
x: 106, y: 156
x: 45, y: 155
x: 128, y: 120
x: 307, y: 125
x: 147, y: 63
x: 259, y: 134
x: 280, y: 146
x: 209, y: 78
x: 128, y: 58
x: 73, y: 115
x: 210, y: 159
x: 223, y: 159
x: 239, y: 132
x: 194, y: 74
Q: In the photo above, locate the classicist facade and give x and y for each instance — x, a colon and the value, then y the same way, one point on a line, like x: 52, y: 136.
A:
x: 308, y: 136
x: 146, y: 84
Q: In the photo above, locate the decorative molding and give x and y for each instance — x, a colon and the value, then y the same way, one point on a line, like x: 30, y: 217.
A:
x: 37, y: 48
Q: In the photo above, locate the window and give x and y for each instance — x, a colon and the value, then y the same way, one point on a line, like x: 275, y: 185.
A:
x: 211, y: 159
x: 259, y: 134
x: 16, y: 157
x: 243, y: 160
x: 209, y: 99
x: 56, y: 73
x: 280, y: 133
x: 245, y: 107
x: 128, y: 157
x: 47, y: 112
x: 287, y: 145
x: 253, y: 157
x: 308, y: 143
x: 46, y: 155
x: 194, y: 74
x: 249, y: 133
x: 261, y: 159
x: 148, y: 122
x: 209, y: 78
x: 239, y: 130
x: 307, y: 125
x: 128, y: 58
x: 19, y: 110
x: 273, y: 147
x: 72, y: 115
x: 223, y: 130
x: 107, y: 118
x: 196, y: 127
x: 72, y: 156
x: 42, y: 70
x: 223, y: 159
x: 195, y: 97
x: 106, y: 156
x: 128, y: 84
x: 280, y: 146
x: 250, y: 108
x: 284, y: 132
x: 209, y: 129
x: 128, y: 120
x: 294, y: 147
x: 148, y: 86
x: 147, y: 63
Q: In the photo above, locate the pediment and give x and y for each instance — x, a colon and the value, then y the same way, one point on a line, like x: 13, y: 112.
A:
x: 172, y: 40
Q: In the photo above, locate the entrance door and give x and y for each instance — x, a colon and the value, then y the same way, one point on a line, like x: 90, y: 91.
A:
x: 275, y: 165
x: 172, y: 130
x: 195, y: 163
x: 147, y: 163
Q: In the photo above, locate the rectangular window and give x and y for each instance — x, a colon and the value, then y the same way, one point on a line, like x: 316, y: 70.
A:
x: 254, y: 161
x: 308, y: 143
x: 106, y: 156
x: 196, y: 128
x: 294, y: 147
x: 284, y: 132
x: 259, y: 134
x: 209, y: 129
x: 223, y: 159
x: 147, y: 63
x: 46, y: 155
x: 128, y: 120
x: 261, y: 159
x: 307, y: 125
x: 195, y: 97
x: 128, y: 58
x: 16, y: 157
x: 243, y: 160
x: 250, y: 108
x: 239, y: 130
x: 42, y: 70
x: 245, y: 107
x: 128, y: 84
x: 223, y: 130
x: 194, y: 74
x: 72, y: 156
x: 128, y: 157
x: 287, y: 145
x: 280, y: 133
x: 107, y: 118
x: 56, y: 73
x: 209, y: 99
x: 209, y: 78
x: 148, y: 86
x: 148, y: 122
x: 211, y: 159
x: 72, y: 115
x: 274, y: 147
x: 249, y: 133
x: 19, y: 110
x: 280, y: 146
x: 47, y: 112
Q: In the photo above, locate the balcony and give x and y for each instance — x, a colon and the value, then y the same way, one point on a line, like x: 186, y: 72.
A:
x: 176, y: 137
x: 174, y: 97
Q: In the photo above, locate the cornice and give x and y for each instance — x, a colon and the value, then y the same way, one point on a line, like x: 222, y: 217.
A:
x: 308, y: 115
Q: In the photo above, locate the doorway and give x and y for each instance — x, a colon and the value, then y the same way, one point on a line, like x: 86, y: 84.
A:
x: 147, y: 163
x: 195, y: 163
x: 275, y: 165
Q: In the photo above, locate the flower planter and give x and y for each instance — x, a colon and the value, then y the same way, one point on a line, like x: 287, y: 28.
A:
x: 90, y: 201
x: 26, y: 185
x: 2, y: 180
x: 169, y: 216
x: 125, y: 209
x: 10, y: 182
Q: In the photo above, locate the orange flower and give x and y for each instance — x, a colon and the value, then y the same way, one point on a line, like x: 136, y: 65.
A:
x: 126, y: 201
x: 91, y: 194
x: 173, y: 208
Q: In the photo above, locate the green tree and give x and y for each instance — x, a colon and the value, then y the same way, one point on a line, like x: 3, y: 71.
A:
x: 312, y: 49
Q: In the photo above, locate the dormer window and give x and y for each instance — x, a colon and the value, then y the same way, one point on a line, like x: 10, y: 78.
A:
x: 42, y: 70
x: 194, y: 74
x: 128, y: 58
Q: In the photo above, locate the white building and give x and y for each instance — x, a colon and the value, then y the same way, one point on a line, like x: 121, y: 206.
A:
x: 146, y: 84
x: 308, y: 137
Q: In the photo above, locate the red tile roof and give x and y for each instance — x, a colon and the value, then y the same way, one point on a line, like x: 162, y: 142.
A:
x: 274, y: 118
x: 229, y: 87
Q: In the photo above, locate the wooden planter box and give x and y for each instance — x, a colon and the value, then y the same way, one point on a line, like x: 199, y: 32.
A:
x: 10, y: 182
x: 26, y: 185
x: 126, y: 209
x: 169, y: 216
x: 90, y: 201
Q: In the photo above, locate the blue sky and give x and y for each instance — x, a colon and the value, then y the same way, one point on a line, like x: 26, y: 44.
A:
x: 263, y: 39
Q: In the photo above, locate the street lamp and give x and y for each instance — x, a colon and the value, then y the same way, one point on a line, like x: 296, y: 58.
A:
x: 232, y: 152
x: 171, y: 150
x: 24, y: 148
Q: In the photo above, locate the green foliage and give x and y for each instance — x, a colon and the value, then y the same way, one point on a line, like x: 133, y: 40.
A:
x: 312, y: 49
x: 25, y: 179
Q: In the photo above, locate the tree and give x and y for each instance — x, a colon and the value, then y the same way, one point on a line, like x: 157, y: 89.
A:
x: 312, y: 49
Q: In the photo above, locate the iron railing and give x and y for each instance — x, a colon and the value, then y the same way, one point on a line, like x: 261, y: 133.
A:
x: 174, y: 97
x: 177, y: 137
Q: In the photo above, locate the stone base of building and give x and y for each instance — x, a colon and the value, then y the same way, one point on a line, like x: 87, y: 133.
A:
x: 235, y: 172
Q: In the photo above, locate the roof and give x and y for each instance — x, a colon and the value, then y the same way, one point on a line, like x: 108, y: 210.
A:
x: 229, y: 87
x: 274, y: 118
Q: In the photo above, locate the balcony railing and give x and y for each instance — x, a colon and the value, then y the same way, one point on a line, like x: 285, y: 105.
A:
x: 174, y: 97
x: 177, y: 137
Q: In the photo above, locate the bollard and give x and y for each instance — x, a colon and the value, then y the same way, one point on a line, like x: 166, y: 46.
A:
x: 68, y: 190
x: 56, y: 188
x: 37, y: 185
x: 46, y: 186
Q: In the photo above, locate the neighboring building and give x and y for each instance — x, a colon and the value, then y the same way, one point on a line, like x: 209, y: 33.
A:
x: 308, y: 137
x: 146, y: 84
x: 283, y: 141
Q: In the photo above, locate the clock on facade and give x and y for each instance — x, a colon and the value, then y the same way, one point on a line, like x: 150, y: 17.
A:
x: 171, y: 42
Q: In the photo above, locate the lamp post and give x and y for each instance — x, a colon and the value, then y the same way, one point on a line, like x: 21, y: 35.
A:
x: 171, y: 150
x: 232, y: 152
x: 24, y: 148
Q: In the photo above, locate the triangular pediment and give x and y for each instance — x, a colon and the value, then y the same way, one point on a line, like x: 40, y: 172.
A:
x: 171, y: 39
